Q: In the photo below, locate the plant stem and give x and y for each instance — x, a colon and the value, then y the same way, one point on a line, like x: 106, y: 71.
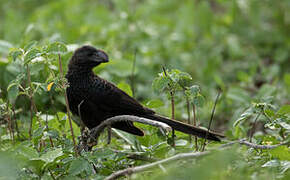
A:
x: 67, y: 106
x: 188, y: 115
x: 211, y: 119
x: 194, y: 124
x: 172, y: 106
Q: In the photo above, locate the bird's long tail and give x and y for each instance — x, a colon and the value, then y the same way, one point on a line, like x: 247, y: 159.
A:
x: 186, y: 128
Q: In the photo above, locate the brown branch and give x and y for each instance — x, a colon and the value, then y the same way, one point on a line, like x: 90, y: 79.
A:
x: 145, y: 167
x: 252, y: 145
x: 95, y: 132
x: 257, y: 146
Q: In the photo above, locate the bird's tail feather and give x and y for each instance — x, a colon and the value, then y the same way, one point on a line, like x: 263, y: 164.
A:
x: 186, y: 128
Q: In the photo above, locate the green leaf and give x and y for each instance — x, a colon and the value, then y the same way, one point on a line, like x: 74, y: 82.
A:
x: 13, y: 92
x: 248, y: 113
x: 154, y: 103
x: 160, y: 83
x: 78, y: 166
x: 284, y: 110
x: 31, y: 54
x: 51, y: 155
x: 56, y: 48
x: 287, y: 79
x: 281, y: 152
x: 27, y: 152
x: 29, y: 45
x: 126, y: 136
x: 199, y: 100
x: 272, y: 163
x: 125, y: 87
x: 15, y: 53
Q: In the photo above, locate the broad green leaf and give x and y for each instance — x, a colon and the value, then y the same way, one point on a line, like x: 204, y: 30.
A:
x: 154, y: 103
x: 13, y: 92
x: 51, y: 155
x: 272, y: 163
x: 29, y: 45
x: 27, y: 152
x: 126, y: 88
x: 248, y: 113
x: 31, y: 54
x: 126, y: 136
x: 78, y: 166
x: 281, y: 152
x: 160, y: 83
x: 15, y: 53
x: 56, y: 48
x: 284, y: 110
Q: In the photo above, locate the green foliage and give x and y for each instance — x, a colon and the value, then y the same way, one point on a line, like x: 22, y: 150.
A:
x: 240, y: 47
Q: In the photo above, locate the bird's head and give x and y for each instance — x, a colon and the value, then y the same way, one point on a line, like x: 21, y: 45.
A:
x: 88, y: 57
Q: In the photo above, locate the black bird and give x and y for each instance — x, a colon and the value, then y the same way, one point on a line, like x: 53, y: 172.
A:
x: 101, y: 99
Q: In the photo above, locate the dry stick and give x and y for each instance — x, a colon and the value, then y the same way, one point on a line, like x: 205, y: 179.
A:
x: 254, y: 127
x: 133, y: 72
x: 145, y: 167
x: 95, y: 132
x: 67, y: 106
x: 194, y: 123
x: 211, y: 118
x: 172, y: 106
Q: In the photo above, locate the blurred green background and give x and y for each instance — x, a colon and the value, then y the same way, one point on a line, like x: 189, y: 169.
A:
x: 238, y: 46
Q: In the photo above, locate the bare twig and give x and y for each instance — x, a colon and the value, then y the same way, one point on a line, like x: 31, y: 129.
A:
x: 142, y: 168
x: 67, y: 106
x: 95, y: 132
x: 211, y: 118
x: 257, y: 146
x: 252, y: 145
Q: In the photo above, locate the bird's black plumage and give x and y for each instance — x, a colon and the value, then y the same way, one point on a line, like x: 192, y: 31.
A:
x: 98, y: 99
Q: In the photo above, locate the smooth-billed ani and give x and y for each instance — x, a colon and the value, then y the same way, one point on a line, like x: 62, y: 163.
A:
x: 101, y: 99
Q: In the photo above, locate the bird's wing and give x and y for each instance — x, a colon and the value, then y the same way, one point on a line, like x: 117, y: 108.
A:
x: 112, y: 99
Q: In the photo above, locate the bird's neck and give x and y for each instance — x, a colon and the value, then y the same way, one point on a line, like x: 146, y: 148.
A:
x: 79, y: 73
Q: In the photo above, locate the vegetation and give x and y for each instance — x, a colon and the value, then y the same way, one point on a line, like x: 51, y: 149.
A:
x: 238, y: 48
